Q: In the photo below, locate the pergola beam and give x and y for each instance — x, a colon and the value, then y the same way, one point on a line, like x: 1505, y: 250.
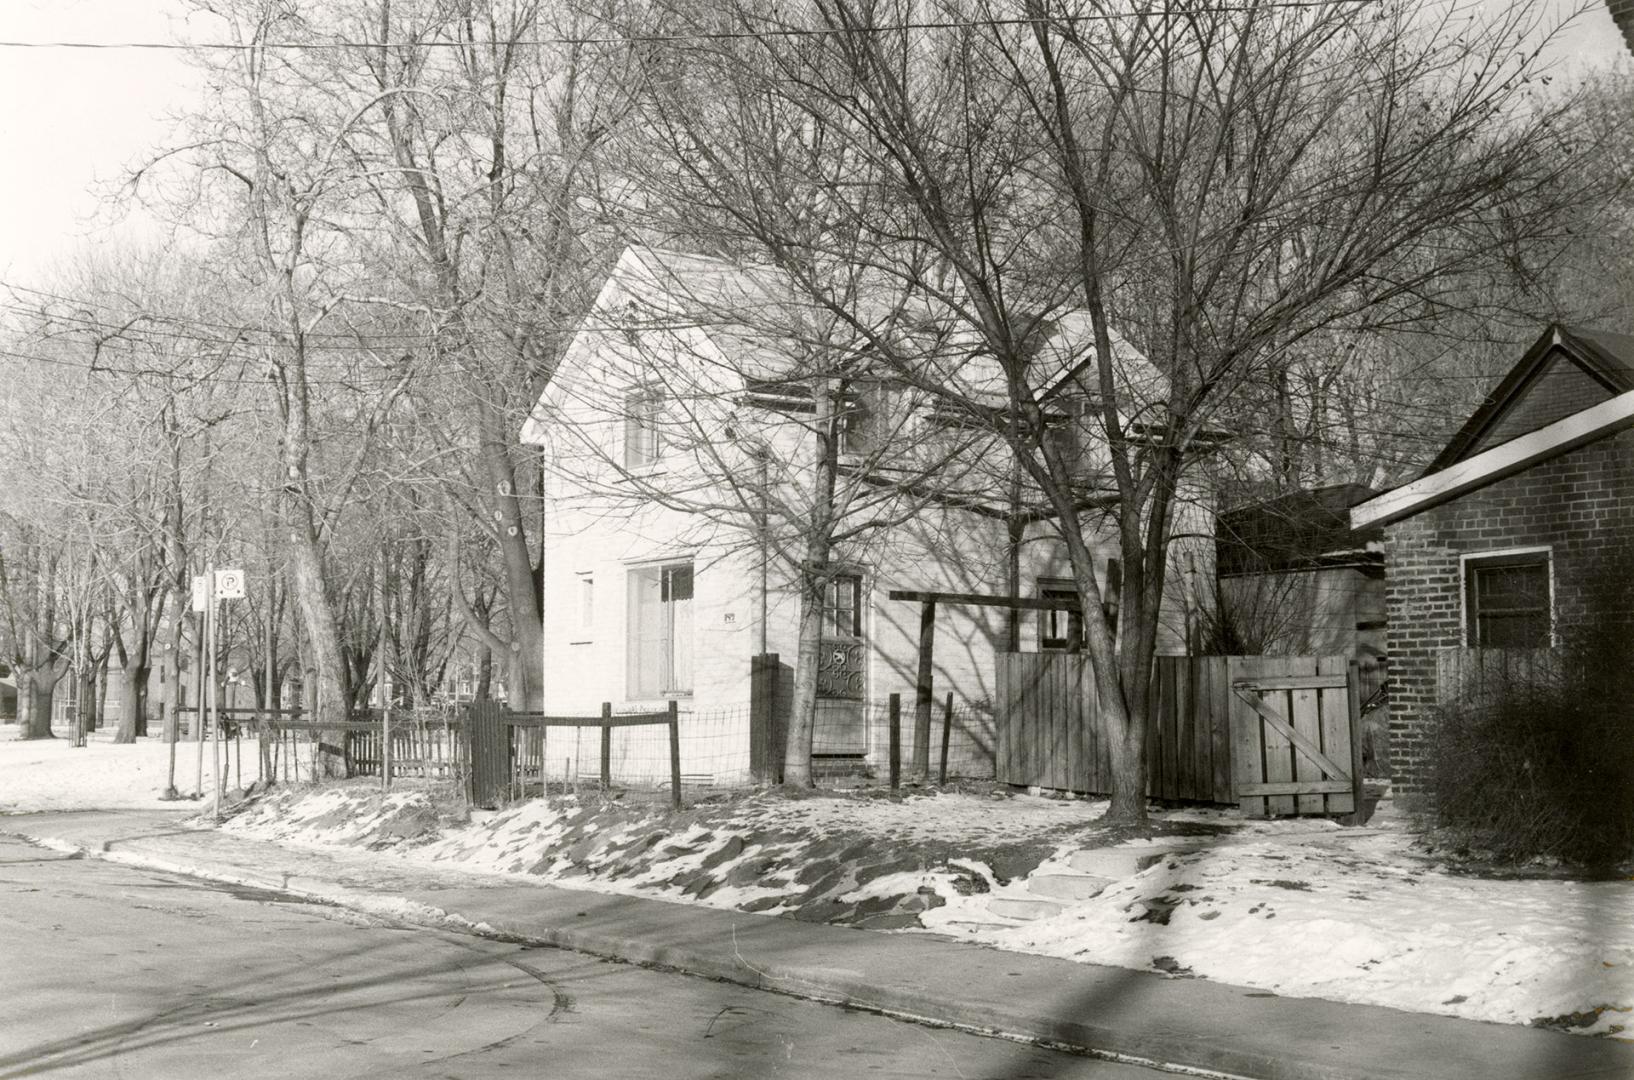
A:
x: 1014, y: 603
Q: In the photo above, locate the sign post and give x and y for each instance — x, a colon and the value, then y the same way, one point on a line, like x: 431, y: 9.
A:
x: 223, y: 585
x: 203, y: 601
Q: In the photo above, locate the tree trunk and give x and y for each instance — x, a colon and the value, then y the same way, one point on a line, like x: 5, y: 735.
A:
x: 133, y: 696
x: 483, y: 691
x: 813, y: 575
x: 328, y: 663
x: 803, y: 709
x: 34, y: 689
x: 525, y: 687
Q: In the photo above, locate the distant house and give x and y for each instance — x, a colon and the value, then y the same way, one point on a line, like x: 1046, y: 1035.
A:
x: 1296, y: 580
x: 1509, y: 538
x: 676, y: 393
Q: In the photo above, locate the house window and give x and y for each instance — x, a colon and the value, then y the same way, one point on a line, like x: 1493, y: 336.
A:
x: 1059, y: 631
x: 1062, y: 434
x: 864, y: 418
x: 642, y: 443
x: 842, y: 606
x: 660, y: 635
x: 1506, y: 601
x: 587, y: 601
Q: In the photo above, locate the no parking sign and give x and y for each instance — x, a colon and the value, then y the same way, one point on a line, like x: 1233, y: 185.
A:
x: 230, y: 584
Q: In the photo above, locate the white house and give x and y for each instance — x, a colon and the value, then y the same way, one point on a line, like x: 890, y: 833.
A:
x: 680, y: 455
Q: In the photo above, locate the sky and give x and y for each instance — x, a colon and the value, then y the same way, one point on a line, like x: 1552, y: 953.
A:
x: 73, y: 121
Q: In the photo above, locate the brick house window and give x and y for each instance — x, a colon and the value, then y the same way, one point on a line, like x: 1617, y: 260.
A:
x: 660, y: 631
x: 1506, y: 601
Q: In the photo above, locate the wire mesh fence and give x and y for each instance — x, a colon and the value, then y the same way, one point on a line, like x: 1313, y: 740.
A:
x: 712, y: 750
x: 622, y: 752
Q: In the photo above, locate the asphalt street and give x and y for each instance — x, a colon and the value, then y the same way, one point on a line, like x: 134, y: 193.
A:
x: 111, y: 971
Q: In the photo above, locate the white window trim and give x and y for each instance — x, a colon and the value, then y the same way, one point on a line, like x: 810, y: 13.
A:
x: 1465, y: 558
x: 689, y: 559
x: 580, y: 578
x: 656, y: 463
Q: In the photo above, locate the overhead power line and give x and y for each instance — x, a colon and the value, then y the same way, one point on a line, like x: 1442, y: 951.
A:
x: 1178, y: 9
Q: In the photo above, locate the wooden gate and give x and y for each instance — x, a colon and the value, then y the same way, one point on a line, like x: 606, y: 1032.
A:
x: 1276, y: 735
x: 1295, y: 742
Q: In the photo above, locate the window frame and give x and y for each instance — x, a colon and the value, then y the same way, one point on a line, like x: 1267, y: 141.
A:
x: 643, y: 404
x: 870, y: 400
x: 1471, y: 563
x: 634, y: 689
x: 586, y: 599
x: 1048, y: 587
x: 853, y: 580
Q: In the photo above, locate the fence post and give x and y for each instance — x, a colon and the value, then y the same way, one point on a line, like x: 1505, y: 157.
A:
x: 765, y: 757
x: 1354, y: 696
x: 947, y: 726
x: 895, y: 725
x: 675, y: 755
x: 385, y: 746
x: 923, y: 693
x: 606, y: 746
x: 470, y: 757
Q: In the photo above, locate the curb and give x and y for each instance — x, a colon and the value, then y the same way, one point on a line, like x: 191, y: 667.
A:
x: 834, y: 987
x: 1270, y: 1039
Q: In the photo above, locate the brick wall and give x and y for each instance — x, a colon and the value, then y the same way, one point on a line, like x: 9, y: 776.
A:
x: 1560, y: 390
x: 1579, y: 505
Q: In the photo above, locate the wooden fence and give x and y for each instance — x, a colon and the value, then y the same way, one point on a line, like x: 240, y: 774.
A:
x: 1472, y: 673
x: 1275, y: 735
x: 289, y: 746
x: 1047, y: 735
x: 507, y: 750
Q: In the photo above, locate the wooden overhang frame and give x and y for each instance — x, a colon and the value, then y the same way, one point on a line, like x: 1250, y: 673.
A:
x: 927, y: 602
x: 1502, y: 461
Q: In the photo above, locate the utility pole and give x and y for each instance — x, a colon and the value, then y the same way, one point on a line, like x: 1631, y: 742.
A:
x: 380, y: 679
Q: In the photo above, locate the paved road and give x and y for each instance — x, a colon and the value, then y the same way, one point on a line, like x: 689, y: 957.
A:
x: 109, y: 971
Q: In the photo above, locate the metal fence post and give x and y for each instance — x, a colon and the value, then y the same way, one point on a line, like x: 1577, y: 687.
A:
x: 896, y: 740
x: 675, y: 755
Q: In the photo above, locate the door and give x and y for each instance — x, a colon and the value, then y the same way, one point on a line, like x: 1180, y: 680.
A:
x: 842, y: 725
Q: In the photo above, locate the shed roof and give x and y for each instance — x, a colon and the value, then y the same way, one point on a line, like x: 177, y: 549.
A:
x: 1301, y: 530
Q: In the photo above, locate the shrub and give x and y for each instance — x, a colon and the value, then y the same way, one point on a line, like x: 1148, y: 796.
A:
x: 1542, y: 766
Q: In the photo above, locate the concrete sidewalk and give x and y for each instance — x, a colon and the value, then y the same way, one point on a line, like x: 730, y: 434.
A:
x: 1188, y: 1023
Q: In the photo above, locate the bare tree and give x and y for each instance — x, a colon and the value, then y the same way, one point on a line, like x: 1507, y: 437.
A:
x: 1218, y: 183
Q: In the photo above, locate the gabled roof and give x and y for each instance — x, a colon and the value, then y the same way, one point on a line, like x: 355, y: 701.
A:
x: 1606, y: 358
x: 1504, y: 460
x: 757, y: 316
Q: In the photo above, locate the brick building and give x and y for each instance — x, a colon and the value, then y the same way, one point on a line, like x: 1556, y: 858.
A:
x: 1506, y: 540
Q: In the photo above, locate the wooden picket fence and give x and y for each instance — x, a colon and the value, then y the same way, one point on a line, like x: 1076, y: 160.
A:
x: 1275, y: 735
x: 1472, y: 673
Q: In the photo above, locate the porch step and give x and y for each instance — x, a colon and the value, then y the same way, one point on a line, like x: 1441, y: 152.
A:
x: 1116, y: 863
x: 1025, y: 910
x: 971, y: 926
x: 1068, y: 886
